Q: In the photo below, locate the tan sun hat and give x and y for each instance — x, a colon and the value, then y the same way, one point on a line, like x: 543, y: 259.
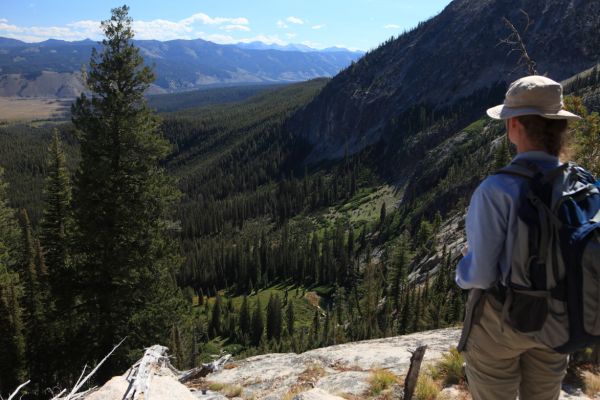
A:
x: 532, y: 95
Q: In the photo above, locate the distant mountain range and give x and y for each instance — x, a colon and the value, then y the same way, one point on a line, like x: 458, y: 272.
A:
x: 51, y: 68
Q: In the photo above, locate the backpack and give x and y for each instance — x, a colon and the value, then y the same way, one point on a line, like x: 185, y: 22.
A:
x: 552, y: 292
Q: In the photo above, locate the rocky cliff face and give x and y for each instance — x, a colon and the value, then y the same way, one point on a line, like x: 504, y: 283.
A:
x: 443, y: 62
x: 331, y: 373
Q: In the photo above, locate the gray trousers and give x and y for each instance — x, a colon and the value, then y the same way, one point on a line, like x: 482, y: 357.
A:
x: 501, y: 362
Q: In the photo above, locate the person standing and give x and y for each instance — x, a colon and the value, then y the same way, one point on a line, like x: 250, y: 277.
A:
x: 502, y: 362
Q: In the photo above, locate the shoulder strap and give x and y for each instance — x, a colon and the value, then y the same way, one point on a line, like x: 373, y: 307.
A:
x: 522, y: 168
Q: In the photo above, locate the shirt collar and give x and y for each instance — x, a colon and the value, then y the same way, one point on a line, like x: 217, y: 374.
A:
x: 536, y: 155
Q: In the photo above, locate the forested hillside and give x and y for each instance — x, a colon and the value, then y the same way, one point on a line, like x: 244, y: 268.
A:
x: 279, y: 237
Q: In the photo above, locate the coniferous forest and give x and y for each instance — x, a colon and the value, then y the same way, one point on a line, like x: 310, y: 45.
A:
x: 203, y: 229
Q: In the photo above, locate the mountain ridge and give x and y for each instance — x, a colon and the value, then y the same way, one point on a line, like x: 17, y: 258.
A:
x: 179, y: 65
x: 450, y: 59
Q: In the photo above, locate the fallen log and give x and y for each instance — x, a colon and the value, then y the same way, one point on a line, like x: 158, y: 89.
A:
x: 205, y: 369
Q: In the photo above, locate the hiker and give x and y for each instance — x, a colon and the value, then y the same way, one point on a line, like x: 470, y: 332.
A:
x: 501, y: 361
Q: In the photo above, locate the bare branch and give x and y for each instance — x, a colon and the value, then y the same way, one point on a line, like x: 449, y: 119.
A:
x: 73, y: 394
x: 516, y: 43
x: 17, y: 390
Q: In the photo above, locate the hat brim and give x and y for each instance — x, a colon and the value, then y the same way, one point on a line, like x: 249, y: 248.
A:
x: 503, y: 112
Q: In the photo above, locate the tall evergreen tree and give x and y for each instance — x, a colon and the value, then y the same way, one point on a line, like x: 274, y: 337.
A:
x: 290, y: 318
x: 245, y: 319
x: 258, y: 325
x: 274, y: 320
x: 12, y: 335
x: 215, y: 321
x: 35, y: 303
x: 56, y: 224
x: 122, y: 201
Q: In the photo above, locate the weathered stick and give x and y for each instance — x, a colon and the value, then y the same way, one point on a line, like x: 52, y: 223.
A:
x: 81, y: 382
x: 17, y: 390
x: 204, y: 370
x: 413, y: 372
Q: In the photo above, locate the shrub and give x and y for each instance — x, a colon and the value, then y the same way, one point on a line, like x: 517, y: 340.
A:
x: 427, y: 388
x: 450, y: 368
x: 381, y: 380
x: 232, y: 390
x: 215, y: 386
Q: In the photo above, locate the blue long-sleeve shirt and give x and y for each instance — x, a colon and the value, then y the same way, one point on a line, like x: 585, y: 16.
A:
x: 491, y: 226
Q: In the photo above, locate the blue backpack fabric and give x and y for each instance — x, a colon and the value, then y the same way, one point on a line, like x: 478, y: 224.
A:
x: 552, y: 293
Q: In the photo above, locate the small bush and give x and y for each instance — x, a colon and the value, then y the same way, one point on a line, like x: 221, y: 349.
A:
x: 232, y: 390
x: 427, y: 388
x: 215, y: 386
x: 450, y: 368
x: 591, y: 383
x: 381, y: 380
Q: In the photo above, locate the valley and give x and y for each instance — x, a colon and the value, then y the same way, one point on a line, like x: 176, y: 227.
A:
x: 310, y: 204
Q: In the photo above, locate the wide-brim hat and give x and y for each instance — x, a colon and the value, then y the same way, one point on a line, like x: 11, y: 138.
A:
x: 533, y: 95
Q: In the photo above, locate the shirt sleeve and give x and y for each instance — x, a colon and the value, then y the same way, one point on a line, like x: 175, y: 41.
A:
x: 486, y: 227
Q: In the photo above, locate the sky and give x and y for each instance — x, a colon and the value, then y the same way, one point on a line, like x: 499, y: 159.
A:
x: 353, y: 24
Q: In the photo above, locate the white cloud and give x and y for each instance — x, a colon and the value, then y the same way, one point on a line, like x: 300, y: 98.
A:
x: 294, y: 20
x: 6, y: 27
x: 318, y: 26
x: 392, y: 26
x: 159, y: 29
x: 291, y: 35
x: 230, y: 28
x: 281, y: 24
x: 205, y: 19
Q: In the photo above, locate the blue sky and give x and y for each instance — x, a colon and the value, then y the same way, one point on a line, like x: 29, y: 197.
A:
x: 355, y: 24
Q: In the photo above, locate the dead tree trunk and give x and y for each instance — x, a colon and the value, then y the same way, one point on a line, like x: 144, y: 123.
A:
x: 413, y: 372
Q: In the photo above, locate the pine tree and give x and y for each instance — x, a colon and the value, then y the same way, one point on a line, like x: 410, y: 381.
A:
x: 382, y: 214
x: 215, y: 321
x: 175, y: 347
x: 35, y: 297
x: 12, y: 335
x: 122, y: 200
x: 314, y: 329
x: 274, y: 320
x: 56, y: 226
x: 257, y: 324
x: 290, y: 318
x: 56, y: 223
x: 245, y: 319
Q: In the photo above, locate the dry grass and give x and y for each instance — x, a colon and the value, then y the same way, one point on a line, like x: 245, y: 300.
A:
x: 232, y: 390
x: 591, y: 383
x: 312, y: 373
x: 427, y: 388
x: 313, y: 298
x: 294, y: 390
x: 381, y: 380
x: 27, y: 109
x: 450, y: 368
x: 215, y: 386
